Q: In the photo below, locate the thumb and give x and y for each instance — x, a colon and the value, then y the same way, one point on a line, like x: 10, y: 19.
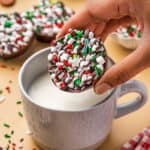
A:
x: 126, y: 69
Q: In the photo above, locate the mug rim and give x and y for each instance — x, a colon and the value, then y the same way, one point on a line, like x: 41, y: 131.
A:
x: 29, y: 98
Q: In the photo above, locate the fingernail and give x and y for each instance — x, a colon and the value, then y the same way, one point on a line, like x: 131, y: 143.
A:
x: 99, y: 89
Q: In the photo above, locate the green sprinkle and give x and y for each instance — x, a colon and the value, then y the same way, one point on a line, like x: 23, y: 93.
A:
x: 29, y: 15
x: 18, y: 102
x: 10, y: 81
x: 38, y: 29
x: 20, y: 114
x: 69, y: 36
x: 94, y: 58
x: 7, y: 148
x: 139, y: 34
x: 90, y: 50
x: 72, y: 73
x: 6, y: 125
x: 75, y: 56
x: 7, y: 136
x: 79, y: 34
x: 12, y: 132
x: 77, y: 82
x: 39, y: 6
x: 66, y: 68
x: 75, y: 44
x: 8, y: 24
x: 98, y: 71
x: 21, y: 33
x: 1, y: 91
x: 9, y: 141
x: 42, y: 12
x: 102, y: 53
x: 50, y: 19
x: 61, y: 41
x: 10, y: 33
x: 85, y: 48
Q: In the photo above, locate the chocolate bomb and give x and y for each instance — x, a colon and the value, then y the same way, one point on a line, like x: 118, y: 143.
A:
x: 76, y: 61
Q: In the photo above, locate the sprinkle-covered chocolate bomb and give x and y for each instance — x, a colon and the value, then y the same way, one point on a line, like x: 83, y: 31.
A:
x: 15, y: 35
x: 48, y: 18
x: 131, y: 31
x: 76, y: 61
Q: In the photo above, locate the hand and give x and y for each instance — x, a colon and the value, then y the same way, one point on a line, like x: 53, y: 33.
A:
x: 103, y: 17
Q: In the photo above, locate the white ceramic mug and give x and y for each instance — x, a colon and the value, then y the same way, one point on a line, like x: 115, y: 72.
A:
x: 126, y: 42
x: 82, y: 129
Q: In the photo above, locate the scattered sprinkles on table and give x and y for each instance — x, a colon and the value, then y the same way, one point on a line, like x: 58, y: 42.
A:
x: 15, y: 35
x: 48, y: 18
x: 131, y: 31
x: 76, y: 60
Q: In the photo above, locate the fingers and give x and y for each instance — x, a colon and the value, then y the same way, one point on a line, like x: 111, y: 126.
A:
x: 78, y: 21
x: 124, y: 70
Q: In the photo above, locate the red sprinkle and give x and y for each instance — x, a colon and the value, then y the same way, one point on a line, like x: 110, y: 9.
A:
x: 69, y: 51
x: 8, y: 89
x: 39, y: 16
x: 13, y: 144
x: 69, y: 46
x: 62, y: 85
x: 19, y: 21
x: 66, y: 63
x: 86, y: 72
x: 73, y: 33
x: 19, y: 39
x: 55, y: 58
x: 81, y: 44
x: 48, y: 25
x: 59, y: 25
x: 60, y: 67
x: 131, y: 34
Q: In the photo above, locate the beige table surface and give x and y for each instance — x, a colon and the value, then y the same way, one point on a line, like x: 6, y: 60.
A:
x: 122, y: 129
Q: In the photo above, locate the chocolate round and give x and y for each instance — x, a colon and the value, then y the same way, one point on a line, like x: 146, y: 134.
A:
x: 16, y: 34
x: 76, y: 61
x: 48, y: 18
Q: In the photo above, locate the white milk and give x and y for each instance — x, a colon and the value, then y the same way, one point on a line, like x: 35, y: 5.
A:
x: 44, y: 93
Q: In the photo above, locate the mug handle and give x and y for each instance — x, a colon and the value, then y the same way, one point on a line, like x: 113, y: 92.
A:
x: 136, y: 103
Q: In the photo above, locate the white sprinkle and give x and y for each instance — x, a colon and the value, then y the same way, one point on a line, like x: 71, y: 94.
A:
x: 71, y: 41
x: 91, y: 35
x: 84, y: 78
x: 2, y: 99
x: 100, y: 60
x: 50, y: 56
x: 127, y: 145
x: 64, y: 57
x: 53, y: 49
x: 71, y: 85
x: 83, y: 63
x: 28, y: 132
x: 20, y: 145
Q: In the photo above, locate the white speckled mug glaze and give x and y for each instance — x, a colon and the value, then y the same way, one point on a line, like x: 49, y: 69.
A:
x: 83, y: 129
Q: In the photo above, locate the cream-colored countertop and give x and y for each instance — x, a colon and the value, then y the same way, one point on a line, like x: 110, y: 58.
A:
x: 122, y: 129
